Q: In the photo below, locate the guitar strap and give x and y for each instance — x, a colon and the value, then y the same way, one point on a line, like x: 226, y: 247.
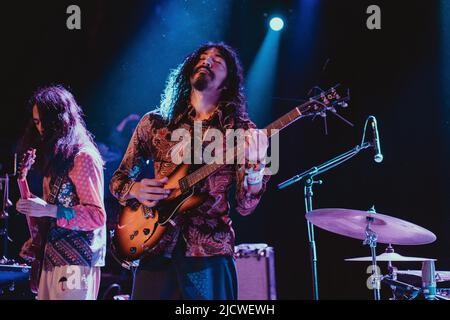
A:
x: 54, y: 189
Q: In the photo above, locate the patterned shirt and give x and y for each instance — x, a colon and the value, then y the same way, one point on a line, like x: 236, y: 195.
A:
x: 206, y: 229
x: 78, y: 235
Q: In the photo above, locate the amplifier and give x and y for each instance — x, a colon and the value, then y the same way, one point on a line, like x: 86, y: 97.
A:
x: 255, y: 272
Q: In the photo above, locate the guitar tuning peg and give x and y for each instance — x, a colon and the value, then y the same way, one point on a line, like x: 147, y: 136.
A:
x: 343, y: 104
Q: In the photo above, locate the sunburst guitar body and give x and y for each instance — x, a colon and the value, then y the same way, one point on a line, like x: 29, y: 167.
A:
x: 140, y: 228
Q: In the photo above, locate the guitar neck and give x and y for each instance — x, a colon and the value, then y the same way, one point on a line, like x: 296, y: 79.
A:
x: 25, y: 193
x: 24, y: 189
x: 208, y: 169
x: 283, y: 121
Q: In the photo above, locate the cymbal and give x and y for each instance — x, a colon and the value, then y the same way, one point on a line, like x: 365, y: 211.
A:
x: 391, y: 256
x: 353, y: 223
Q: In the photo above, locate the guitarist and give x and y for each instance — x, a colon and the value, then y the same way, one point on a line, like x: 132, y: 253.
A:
x: 194, y: 259
x: 72, y: 169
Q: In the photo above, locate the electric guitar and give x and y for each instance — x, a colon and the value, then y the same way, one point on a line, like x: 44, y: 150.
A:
x: 38, y: 227
x: 140, y: 229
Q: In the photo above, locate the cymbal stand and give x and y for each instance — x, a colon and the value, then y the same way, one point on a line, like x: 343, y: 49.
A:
x: 4, y: 218
x: 308, y: 177
x: 371, y: 241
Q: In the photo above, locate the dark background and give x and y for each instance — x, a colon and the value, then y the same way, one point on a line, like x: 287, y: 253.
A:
x: 397, y: 73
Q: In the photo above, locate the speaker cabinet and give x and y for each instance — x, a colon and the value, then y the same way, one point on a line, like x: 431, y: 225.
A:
x: 255, y: 272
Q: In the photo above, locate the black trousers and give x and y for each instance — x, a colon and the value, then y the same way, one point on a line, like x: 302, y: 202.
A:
x: 187, y: 278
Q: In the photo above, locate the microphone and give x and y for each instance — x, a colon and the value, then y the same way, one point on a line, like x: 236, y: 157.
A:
x: 376, y: 140
x: 428, y: 280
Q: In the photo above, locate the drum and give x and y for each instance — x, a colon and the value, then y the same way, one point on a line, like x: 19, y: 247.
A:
x: 414, y: 277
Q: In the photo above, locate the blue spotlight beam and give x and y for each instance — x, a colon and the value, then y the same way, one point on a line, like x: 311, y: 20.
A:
x: 172, y: 29
x: 445, y: 52
x: 261, y: 79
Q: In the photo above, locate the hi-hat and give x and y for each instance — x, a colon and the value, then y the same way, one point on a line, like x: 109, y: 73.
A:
x: 353, y: 224
x: 391, y: 256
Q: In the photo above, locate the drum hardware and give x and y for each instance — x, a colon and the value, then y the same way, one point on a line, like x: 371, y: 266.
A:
x: 408, y: 291
x: 309, y: 181
x: 443, y: 294
x: 440, y: 276
x: 428, y: 277
x: 390, y: 256
x: 371, y: 241
x: 4, y: 216
x: 429, y: 280
x: 373, y: 228
x: 401, y: 290
x: 428, y: 288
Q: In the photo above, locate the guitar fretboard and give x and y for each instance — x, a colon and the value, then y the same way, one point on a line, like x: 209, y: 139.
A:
x: 208, y: 169
x: 284, y: 121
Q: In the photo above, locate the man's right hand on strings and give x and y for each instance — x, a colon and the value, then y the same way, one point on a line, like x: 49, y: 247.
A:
x: 150, y: 191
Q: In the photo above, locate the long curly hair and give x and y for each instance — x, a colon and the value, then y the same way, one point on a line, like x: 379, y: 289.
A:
x: 65, y: 132
x: 176, y: 95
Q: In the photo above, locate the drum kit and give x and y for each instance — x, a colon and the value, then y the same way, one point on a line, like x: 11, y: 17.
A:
x: 373, y: 228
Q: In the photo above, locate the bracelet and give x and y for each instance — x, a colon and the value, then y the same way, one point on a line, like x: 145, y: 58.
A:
x: 254, y: 177
x: 65, y: 213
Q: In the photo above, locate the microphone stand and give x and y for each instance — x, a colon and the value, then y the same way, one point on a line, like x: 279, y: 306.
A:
x: 308, y: 176
x: 4, y: 216
x: 4, y: 219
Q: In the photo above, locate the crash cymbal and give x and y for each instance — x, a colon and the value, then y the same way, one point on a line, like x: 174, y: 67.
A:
x: 392, y: 256
x: 353, y: 223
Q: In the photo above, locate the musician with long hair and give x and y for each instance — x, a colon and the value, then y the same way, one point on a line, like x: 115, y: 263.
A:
x: 194, y: 258
x: 72, y: 171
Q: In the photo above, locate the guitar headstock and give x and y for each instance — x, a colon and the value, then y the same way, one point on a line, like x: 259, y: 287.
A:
x: 26, y: 163
x: 329, y: 100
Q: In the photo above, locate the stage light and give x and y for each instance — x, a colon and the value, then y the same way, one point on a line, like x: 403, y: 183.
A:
x: 276, y: 24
